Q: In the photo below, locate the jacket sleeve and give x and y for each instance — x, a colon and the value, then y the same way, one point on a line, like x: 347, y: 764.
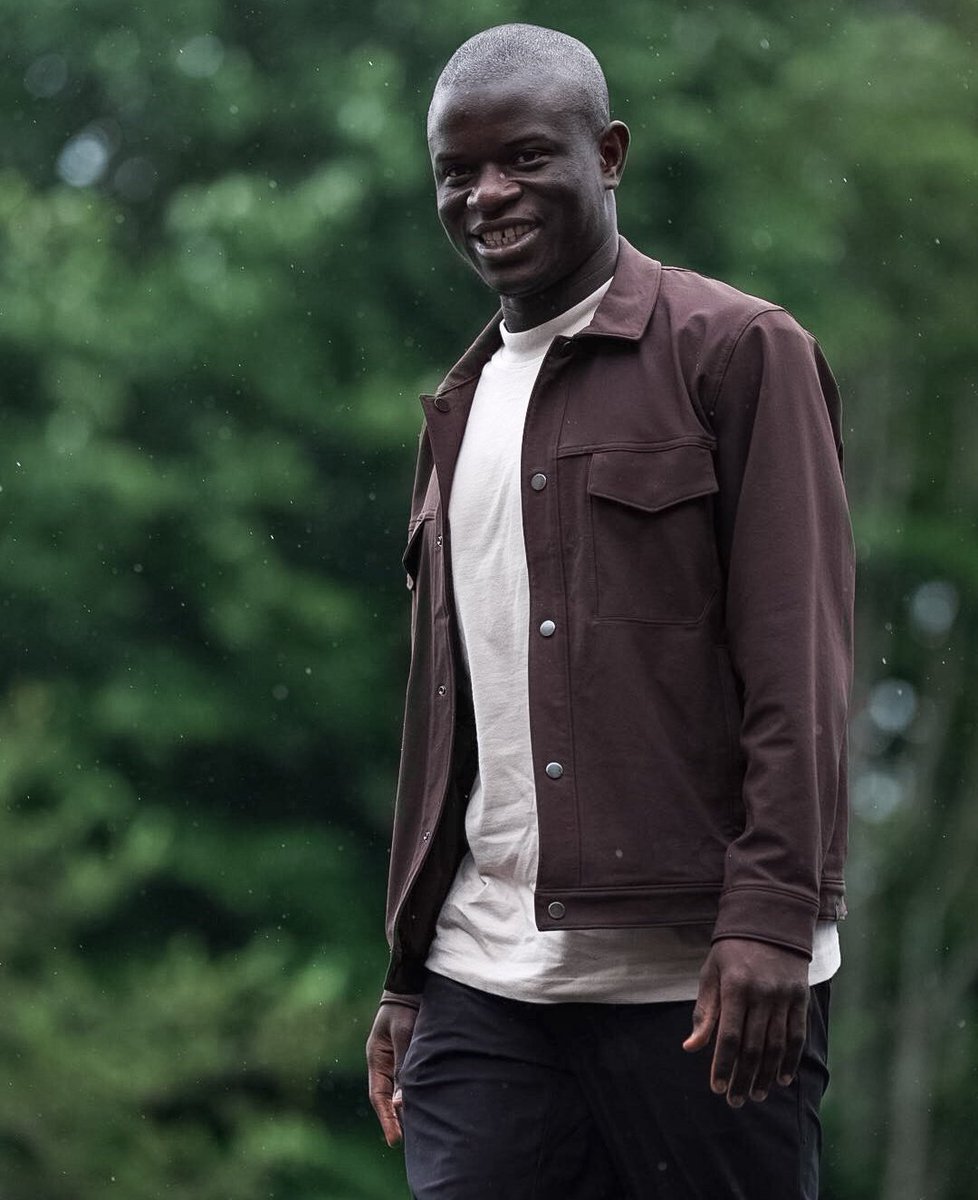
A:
x: 786, y: 546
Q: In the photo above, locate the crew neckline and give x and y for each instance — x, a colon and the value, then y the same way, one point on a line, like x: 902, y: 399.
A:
x: 529, y: 345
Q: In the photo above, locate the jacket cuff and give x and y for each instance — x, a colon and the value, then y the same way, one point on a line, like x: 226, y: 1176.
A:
x: 766, y: 915
x: 402, y: 998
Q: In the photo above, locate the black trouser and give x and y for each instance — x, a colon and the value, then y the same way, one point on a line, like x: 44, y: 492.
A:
x: 505, y: 1100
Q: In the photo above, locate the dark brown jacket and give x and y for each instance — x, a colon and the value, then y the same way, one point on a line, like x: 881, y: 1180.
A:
x: 687, y: 533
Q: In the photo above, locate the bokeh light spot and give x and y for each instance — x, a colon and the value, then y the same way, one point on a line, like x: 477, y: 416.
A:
x: 46, y: 76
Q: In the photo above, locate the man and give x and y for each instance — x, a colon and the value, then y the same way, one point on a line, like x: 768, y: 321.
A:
x: 621, y: 815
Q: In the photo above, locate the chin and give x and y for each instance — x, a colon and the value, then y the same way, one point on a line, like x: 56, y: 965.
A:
x: 516, y: 284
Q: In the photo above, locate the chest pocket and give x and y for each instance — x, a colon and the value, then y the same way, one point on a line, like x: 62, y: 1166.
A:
x: 652, y: 533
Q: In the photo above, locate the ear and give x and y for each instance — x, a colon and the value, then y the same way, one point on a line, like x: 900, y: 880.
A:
x: 612, y: 151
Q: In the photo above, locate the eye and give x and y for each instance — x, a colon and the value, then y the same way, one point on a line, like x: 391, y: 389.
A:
x: 454, y: 172
x: 527, y: 158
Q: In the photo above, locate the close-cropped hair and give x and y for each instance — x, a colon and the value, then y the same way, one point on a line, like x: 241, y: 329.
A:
x: 510, y: 49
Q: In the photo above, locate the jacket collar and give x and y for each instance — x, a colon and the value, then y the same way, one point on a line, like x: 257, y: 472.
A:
x: 626, y: 308
x: 624, y: 312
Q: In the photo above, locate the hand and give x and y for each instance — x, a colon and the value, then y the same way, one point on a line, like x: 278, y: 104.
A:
x: 756, y: 998
x: 387, y: 1044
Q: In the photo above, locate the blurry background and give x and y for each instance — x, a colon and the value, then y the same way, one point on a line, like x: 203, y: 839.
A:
x: 222, y: 285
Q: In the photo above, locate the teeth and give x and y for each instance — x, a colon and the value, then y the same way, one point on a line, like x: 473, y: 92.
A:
x: 504, y: 237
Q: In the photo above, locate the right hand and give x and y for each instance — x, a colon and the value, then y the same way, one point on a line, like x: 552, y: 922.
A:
x: 387, y: 1044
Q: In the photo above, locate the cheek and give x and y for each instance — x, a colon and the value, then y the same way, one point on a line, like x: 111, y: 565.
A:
x: 452, y: 216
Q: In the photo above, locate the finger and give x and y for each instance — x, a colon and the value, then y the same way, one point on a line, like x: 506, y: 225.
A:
x: 401, y: 1039
x: 752, y: 1040
x: 704, y: 1016
x: 797, y: 1031
x: 381, y: 1092
x: 772, y: 1055
x: 730, y: 1031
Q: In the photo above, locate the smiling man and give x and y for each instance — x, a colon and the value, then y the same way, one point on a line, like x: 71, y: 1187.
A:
x: 621, y: 811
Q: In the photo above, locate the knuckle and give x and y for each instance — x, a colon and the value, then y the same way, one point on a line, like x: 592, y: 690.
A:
x: 728, y: 1043
x: 737, y: 980
x: 774, y: 1043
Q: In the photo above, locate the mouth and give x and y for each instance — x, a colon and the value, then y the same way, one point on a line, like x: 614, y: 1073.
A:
x: 502, y: 240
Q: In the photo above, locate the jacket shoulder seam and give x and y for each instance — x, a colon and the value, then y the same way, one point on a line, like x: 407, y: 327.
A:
x: 734, y: 343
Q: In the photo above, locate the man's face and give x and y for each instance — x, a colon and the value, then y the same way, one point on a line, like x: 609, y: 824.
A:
x: 524, y: 190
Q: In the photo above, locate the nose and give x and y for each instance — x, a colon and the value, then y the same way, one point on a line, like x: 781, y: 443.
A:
x: 491, y: 189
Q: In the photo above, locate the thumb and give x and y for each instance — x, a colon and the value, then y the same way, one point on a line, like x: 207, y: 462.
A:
x: 706, y: 1012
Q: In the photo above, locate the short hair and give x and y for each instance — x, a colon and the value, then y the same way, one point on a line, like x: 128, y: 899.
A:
x: 508, y: 49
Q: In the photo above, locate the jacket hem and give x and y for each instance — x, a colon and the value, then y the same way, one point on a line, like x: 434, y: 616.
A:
x: 619, y: 908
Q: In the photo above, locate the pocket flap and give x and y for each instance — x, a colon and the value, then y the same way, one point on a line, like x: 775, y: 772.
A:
x: 652, y: 479
x: 412, y: 551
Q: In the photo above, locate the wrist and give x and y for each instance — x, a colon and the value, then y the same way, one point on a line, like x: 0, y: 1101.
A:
x: 405, y: 999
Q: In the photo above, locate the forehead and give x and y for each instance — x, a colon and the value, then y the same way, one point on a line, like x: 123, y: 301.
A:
x: 502, y: 109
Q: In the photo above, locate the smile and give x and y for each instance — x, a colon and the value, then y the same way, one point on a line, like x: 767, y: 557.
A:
x: 492, y: 242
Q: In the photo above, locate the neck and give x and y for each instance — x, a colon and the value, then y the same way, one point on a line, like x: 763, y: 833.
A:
x: 525, y: 312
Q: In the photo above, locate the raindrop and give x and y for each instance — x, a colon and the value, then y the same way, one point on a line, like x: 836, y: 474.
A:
x: 46, y: 76
x: 280, y: 691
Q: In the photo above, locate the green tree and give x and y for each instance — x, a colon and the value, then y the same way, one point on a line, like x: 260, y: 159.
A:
x: 221, y: 287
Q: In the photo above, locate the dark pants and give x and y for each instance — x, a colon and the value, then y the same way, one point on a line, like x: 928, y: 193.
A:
x: 505, y: 1100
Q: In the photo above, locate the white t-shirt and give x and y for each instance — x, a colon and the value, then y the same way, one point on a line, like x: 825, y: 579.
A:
x: 486, y: 935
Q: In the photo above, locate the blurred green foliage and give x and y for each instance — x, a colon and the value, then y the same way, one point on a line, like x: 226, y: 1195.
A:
x: 221, y: 287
